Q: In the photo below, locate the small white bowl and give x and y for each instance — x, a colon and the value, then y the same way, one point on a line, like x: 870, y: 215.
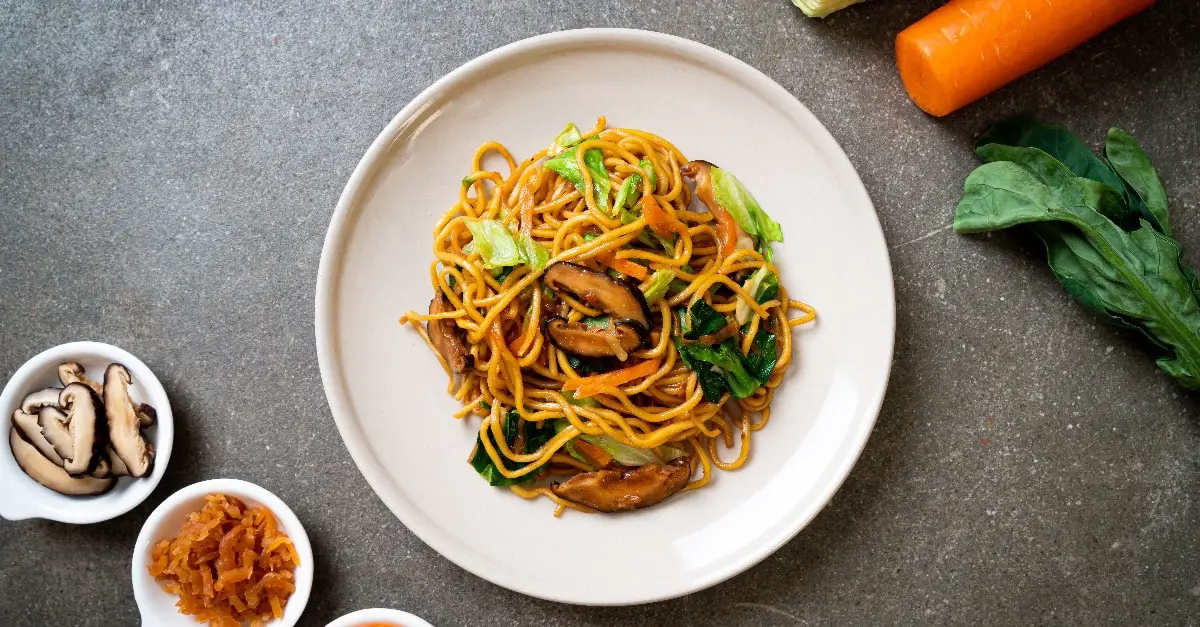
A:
x: 380, y: 615
x: 157, y: 606
x: 26, y: 498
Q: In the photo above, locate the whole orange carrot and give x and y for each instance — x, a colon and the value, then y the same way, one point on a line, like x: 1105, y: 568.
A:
x: 969, y: 48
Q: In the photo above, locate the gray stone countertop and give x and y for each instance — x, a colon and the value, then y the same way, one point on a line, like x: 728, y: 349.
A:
x: 168, y: 170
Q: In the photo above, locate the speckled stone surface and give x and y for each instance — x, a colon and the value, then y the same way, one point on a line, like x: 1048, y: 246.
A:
x: 168, y: 169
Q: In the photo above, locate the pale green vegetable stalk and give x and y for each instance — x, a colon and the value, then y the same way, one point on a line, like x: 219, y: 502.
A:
x: 822, y: 8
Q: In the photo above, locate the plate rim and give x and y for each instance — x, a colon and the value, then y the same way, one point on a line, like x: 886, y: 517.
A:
x: 342, y: 220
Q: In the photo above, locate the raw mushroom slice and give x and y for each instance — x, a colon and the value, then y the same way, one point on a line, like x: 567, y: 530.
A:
x: 617, y: 298
x: 46, y: 473
x: 85, y: 420
x: 54, y: 426
x: 620, y: 490
x: 147, y: 415
x: 32, y: 432
x: 71, y: 372
x: 42, y: 398
x: 124, y: 428
x: 102, y: 468
x: 118, y: 466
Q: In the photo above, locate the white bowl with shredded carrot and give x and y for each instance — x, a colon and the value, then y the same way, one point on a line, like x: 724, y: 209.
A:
x: 222, y: 552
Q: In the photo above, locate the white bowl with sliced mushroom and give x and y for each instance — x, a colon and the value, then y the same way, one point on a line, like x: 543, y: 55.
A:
x: 89, y: 432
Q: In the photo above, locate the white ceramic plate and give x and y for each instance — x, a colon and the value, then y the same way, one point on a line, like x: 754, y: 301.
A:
x: 386, y: 389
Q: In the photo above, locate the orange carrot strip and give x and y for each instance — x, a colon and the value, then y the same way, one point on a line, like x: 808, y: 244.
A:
x: 590, y: 386
x: 624, y: 266
x: 599, y: 456
x: 727, y: 230
x: 660, y: 220
x: 969, y: 48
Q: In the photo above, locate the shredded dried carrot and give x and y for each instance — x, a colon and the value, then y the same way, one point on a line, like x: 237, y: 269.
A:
x: 228, y: 565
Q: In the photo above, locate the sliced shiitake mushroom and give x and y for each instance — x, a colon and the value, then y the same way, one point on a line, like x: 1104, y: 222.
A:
x: 611, y: 339
x: 71, y: 372
x: 46, y: 473
x: 53, y: 423
x: 31, y: 431
x: 447, y: 337
x: 89, y: 431
x: 124, y: 429
x: 42, y: 398
x: 617, y: 298
x: 619, y: 490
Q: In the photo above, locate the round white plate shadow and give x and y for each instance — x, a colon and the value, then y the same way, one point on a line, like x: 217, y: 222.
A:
x: 386, y: 390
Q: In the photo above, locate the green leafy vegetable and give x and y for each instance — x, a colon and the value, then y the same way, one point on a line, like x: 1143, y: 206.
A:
x: 660, y: 283
x: 719, y: 368
x: 622, y: 453
x: 498, y: 248
x: 757, y: 286
x: 535, y: 438
x: 566, y: 167
x: 567, y: 138
x: 740, y: 203
x: 1132, y: 277
x: 701, y: 320
x: 593, y: 322
x: 1133, y: 166
x: 822, y: 8
x: 633, y: 183
x: 502, y: 273
x: 589, y: 365
x: 760, y: 362
x: 533, y: 254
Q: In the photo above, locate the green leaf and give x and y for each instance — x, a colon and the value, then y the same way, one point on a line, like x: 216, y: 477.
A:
x: 589, y: 365
x: 1131, y: 163
x: 593, y: 322
x: 727, y: 360
x: 702, y: 320
x: 822, y: 8
x: 1130, y: 278
x: 1055, y: 175
x: 494, y: 243
x: 533, y: 254
x: 660, y: 283
x: 740, y: 203
x: 756, y: 286
x: 760, y: 362
x: 502, y: 273
x: 568, y: 137
x: 711, y: 381
x: 566, y: 167
x: 535, y: 438
x: 1075, y: 155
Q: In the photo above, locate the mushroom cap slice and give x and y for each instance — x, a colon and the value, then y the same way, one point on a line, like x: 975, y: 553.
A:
x: 620, y: 490
x: 147, y: 415
x: 118, y: 466
x: 42, y: 398
x: 53, y: 423
x: 447, y: 337
x: 616, y: 339
x: 124, y: 427
x: 615, y: 297
x: 31, y: 431
x: 46, y: 473
x: 85, y: 420
x: 71, y: 372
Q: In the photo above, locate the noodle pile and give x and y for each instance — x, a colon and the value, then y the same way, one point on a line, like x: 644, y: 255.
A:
x: 515, y: 366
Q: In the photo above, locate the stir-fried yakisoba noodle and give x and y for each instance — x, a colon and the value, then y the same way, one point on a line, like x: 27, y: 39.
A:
x: 612, y: 338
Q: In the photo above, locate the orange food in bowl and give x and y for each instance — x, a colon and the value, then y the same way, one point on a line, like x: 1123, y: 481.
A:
x: 229, y: 564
